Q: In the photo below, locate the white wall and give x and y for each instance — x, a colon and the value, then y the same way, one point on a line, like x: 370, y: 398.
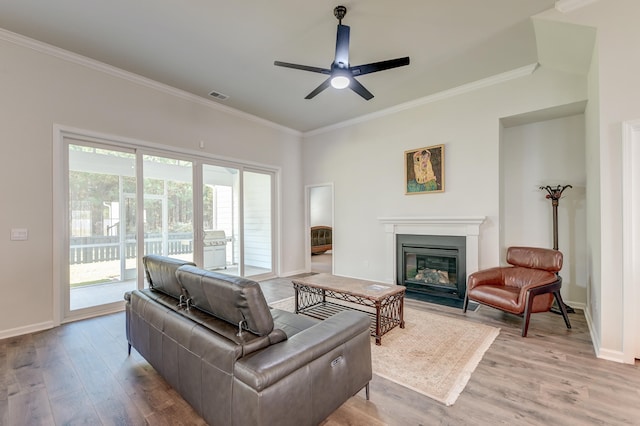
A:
x: 320, y: 206
x: 39, y: 91
x: 365, y: 162
x: 549, y: 152
x: 614, y: 93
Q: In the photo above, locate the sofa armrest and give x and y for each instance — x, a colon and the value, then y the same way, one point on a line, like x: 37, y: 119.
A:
x: 266, y: 367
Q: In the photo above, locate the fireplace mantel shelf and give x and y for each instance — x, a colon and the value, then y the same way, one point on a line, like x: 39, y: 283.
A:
x: 460, y: 220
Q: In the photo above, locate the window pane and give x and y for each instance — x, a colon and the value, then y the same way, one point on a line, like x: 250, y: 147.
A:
x: 168, y: 207
x: 257, y: 223
x: 102, y: 225
x: 220, y: 243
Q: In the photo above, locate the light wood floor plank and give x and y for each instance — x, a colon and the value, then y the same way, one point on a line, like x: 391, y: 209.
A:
x: 80, y: 373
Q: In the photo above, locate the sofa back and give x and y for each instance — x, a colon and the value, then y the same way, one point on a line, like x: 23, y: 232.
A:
x: 232, y: 299
x: 161, y: 274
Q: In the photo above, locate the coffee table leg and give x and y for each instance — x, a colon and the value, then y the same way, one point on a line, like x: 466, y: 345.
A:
x: 402, y: 312
x: 297, y: 294
x: 378, y: 335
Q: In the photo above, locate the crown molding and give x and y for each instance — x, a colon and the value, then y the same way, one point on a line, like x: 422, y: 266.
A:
x: 75, y: 58
x: 450, y: 93
x: 566, y: 6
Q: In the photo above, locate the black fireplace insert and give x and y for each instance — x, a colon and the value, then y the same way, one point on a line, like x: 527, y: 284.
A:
x: 432, y: 264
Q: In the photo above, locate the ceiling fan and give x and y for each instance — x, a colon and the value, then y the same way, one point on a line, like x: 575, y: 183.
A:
x: 341, y: 74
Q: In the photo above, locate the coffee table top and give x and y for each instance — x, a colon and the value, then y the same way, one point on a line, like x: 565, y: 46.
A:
x: 357, y: 287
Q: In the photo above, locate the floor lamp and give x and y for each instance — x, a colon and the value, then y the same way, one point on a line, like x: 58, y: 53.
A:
x: 554, y: 194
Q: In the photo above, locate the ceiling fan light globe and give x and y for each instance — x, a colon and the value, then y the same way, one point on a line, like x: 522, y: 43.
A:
x: 340, y: 82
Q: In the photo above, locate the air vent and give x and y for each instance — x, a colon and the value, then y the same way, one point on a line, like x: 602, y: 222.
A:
x: 218, y: 95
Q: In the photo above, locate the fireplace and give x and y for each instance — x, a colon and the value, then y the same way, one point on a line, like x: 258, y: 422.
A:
x: 432, y: 264
x: 466, y: 227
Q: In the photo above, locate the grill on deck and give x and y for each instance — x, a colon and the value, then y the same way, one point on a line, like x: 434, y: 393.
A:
x: 215, y: 249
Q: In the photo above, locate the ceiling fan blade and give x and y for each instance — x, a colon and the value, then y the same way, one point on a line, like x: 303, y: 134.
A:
x: 342, y: 47
x: 360, y: 89
x: 319, y: 89
x: 379, y: 66
x: 302, y: 67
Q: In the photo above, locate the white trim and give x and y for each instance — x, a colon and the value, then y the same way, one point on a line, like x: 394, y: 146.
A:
x: 611, y: 355
x: 445, y: 94
x: 565, y: 6
x: 93, y: 312
x: 595, y: 338
x: 578, y: 305
x: 468, y: 227
x: 68, y: 56
x: 31, y: 328
x: 293, y: 273
x: 59, y: 223
x: 630, y: 239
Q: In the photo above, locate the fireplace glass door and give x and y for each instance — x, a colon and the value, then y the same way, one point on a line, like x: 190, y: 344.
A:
x: 430, y: 267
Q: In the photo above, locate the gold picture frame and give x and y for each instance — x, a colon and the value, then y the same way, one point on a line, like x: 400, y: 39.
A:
x: 424, y: 170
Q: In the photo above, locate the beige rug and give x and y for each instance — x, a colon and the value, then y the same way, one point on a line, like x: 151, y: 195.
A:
x: 433, y: 355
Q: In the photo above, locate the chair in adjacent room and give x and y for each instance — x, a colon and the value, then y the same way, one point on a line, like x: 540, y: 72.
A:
x: 528, y: 285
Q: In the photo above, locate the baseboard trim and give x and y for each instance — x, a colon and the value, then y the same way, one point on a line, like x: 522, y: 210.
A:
x: 611, y: 355
x: 292, y: 273
x: 31, y: 328
x: 602, y: 353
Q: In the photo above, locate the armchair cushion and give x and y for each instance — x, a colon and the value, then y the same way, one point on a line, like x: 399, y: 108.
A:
x: 505, y: 288
x: 535, y: 258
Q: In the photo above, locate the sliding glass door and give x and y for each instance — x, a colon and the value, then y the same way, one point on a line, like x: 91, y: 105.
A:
x: 125, y: 201
x: 237, y: 221
x: 101, y: 225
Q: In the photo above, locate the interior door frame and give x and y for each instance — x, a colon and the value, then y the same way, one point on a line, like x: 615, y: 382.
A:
x: 307, y: 224
x: 630, y: 239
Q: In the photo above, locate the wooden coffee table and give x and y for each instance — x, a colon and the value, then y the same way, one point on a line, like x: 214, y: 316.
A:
x: 384, y: 303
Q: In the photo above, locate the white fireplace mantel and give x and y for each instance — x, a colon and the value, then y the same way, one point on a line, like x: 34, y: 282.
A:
x: 467, y: 226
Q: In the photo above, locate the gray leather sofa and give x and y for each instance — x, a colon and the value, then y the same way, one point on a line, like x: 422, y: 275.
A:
x: 235, y: 360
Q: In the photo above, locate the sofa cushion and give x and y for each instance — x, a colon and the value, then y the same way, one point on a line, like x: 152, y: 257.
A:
x: 161, y: 273
x: 232, y: 299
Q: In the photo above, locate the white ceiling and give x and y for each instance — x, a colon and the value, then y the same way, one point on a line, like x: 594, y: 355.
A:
x: 229, y: 46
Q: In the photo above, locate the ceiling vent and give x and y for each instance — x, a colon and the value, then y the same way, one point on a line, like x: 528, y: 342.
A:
x: 218, y: 95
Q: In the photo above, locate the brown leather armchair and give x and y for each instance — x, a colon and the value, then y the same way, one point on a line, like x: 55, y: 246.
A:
x: 529, y: 285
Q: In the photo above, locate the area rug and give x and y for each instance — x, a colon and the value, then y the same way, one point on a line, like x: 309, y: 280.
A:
x: 433, y: 355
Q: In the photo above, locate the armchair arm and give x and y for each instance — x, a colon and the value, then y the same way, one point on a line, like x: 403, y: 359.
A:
x: 491, y: 276
x: 542, y: 286
x: 264, y: 368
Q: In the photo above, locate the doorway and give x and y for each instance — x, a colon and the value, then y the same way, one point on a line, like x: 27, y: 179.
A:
x: 320, y: 230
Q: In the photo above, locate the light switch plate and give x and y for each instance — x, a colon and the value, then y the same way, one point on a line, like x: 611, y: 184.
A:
x: 19, y: 234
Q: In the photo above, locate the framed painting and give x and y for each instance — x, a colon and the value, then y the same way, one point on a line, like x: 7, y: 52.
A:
x: 424, y: 170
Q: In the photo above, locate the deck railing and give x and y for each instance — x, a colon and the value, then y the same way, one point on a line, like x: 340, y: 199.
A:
x: 105, y: 248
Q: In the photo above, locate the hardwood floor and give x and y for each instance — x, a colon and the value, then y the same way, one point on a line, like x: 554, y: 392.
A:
x: 80, y: 373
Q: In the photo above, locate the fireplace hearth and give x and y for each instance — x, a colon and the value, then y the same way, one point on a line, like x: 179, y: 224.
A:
x: 432, y: 265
